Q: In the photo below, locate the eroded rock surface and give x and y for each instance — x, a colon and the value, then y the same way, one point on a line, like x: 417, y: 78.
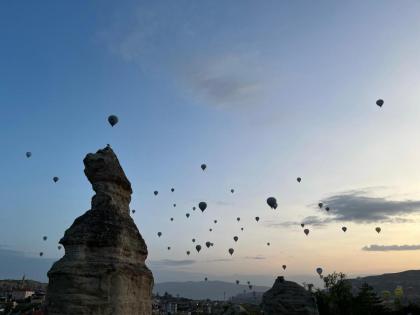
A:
x: 288, y: 298
x: 103, y: 271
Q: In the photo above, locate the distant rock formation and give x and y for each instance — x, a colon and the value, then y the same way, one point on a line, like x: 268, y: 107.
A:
x: 288, y: 298
x: 103, y: 271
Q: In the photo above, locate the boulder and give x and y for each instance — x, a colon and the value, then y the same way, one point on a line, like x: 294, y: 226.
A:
x: 103, y: 270
x: 288, y: 298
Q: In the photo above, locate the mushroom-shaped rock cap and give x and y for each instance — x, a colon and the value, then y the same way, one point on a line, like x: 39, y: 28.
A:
x: 113, y: 189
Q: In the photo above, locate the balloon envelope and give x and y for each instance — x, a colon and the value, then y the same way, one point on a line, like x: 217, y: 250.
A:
x: 272, y: 202
x: 306, y: 231
x: 380, y: 102
x: 344, y: 228
x: 235, y: 238
x: 55, y: 179
x: 319, y: 270
x: 284, y: 267
x: 202, y: 205
x: 28, y: 154
x: 231, y: 250
x: 198, y: 248
x: 203, y: 166
x: 113, y: 120
x: 378, y: 229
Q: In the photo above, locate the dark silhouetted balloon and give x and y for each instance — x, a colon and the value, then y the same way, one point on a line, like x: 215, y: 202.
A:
x: 238, y: 219
x: 193, y: 240
x: 320, y: 205
x: 284, y: 267
x: 172, y: 219
x: 155, y: 192
x: 232, y: 191
x: 202, y: 205
x: 205, y: 279
x: 211, y: 230
x: 55, y: 179
x: 268, y: 243
x: 235, y: 238
x: 231, y: 250
x: 250, y: 287
x: 299, y: 179
x: 169, y: 247
x: 172, y: 189
x: 59, y: 247
x: 302, y: 224
x: 113, y: 120
x: 272, y: 202
x: 187, y: 215
x: 380, y: 102
x: 188, y: 252
x: 159, y: 234
x: 306, y: 231
x: 28, y: 154
x: 193, y: 208
x: 215, y: 221
x: 174, y: 205
x: 203, y: 166
x: 242, y: 228
x: 327, y: 208
x: 198, y: 248
x: 344, y: 228
x: 237, y: 281
x: 248, y: 282
x: 44, y: 238
x: 319, y: 270
x: 41, y: 254
x: 378, y: 229
x: 133, y: 211
x: 257, y: 219
x: 208, y: 244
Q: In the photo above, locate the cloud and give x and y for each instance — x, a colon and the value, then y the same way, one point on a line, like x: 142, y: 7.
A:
x: 172, y: 263
x: 387, y: 248
x: 219, y: 260
x: 309, y: 221
x: 258, y: 257
x: 357, y: 206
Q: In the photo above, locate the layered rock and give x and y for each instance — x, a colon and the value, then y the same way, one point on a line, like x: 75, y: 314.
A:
x: 103, y: 271
x: 288, y: 298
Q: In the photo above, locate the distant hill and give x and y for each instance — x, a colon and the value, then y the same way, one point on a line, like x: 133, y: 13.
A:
x: 409, y: 280
x: 9, y: 285
x: 213, y: 290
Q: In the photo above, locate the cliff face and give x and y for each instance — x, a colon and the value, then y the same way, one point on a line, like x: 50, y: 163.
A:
x: 288, y: 298
x: 103, y: 270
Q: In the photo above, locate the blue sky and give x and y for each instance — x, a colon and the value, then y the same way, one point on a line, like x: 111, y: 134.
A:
x: 260, y: 92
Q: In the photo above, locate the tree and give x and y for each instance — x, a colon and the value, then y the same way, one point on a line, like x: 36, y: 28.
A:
x: 367, y: 302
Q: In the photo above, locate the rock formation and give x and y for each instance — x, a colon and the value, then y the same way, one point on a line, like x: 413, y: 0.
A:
x: 288, y: 298
x: 103, y: 271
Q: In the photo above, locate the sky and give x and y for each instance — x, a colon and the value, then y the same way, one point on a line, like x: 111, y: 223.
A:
x: 262, y: 92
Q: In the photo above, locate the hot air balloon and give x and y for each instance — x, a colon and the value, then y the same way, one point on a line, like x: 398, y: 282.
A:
x: 193, y: 208
x: 250, y: 287
x: 44, y: 238
x: 248, y: 282
x: 155, y: 192
x: 284, y: 267
x: 235, y: 238
x: 172, y: 219
x: 208, y: 244
x: 232, y: 190
x: 327, y: 208
x: 211, y: 230
x: 198, y: 248
x: 268, y: 243
x: 28, y: 154
x: 133, y: 211
x: 205, y: 279
x: 203, y: 166
x: 215, y: 221
x: 306, y: 231
x: 169, y: 247
x: 302, y: 224
x: 159, y: 234
x: 231, y: 250
x: 344, y: 228
x: 187, y: 215
x: 202, y: 205
x: 237, y: 281
x: 378, y: 229
x: 113, y: 120
x: 319, y: 270
x: 242, y: 228
x: 41, y: 254
x: 299, y: 179
x: 172, y: 189
x: 55, y: 179
x: 257, y: 219
x: 272, y: 202
x: 320, y: 205
x: 59, y: 247
x: 188, y: 252
x: 174, y: 205
x: 238, y: 219
x: 380, y: 102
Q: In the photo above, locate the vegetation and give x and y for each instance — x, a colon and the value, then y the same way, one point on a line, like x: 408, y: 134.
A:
x: 338, y: 298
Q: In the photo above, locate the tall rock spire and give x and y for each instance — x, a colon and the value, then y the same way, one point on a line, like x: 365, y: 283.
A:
x: 103, y: 271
